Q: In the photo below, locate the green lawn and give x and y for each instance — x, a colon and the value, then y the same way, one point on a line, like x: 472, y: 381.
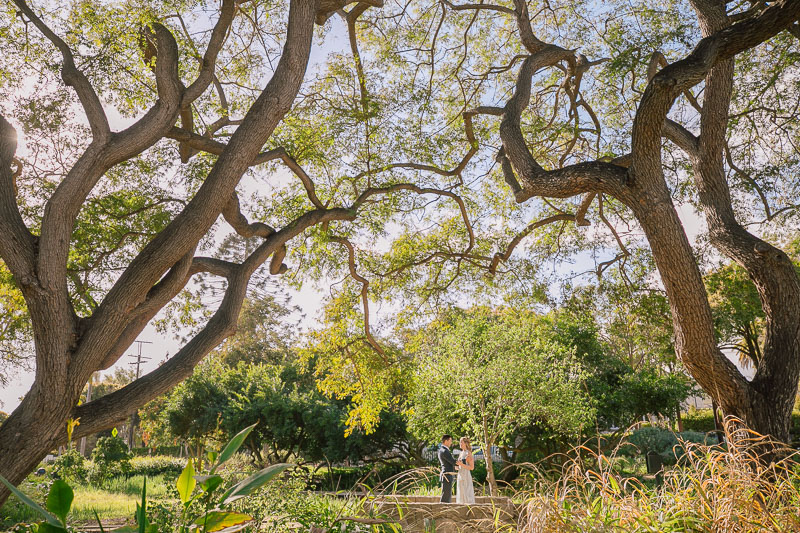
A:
x: 117, y: 499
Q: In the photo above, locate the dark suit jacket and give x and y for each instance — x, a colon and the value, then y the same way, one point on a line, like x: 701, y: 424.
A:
x: 446, y: 459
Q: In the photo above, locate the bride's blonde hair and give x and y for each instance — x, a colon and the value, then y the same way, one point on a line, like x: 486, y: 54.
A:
x: 464, y: 440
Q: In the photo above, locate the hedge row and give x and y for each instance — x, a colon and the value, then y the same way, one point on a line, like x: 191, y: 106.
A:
x: 703, y: 420
x: 157, y: 465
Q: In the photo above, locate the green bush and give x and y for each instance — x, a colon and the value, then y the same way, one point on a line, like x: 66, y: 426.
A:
x: 345, y: 478
x: 157, y: 465
x: 698, y: 420
x: 286, y: 502
x: 703, y: 420
x: 71, y: 466
x: 111, y: 458
x: 479, y: 472
x: 664, y: 442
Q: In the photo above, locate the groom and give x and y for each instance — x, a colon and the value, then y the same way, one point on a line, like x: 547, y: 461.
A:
x: 448, y: 468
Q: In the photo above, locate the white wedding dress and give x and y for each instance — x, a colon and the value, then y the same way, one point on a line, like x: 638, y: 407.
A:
x: 465, y: 492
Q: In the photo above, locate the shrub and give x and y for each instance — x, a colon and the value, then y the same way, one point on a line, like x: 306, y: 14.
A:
x: 156, y: 465
x: 703, y: 420
x: 479, y: 472
x: 670, y: 446
x: 283, y: 504
x: 346, y: 478
x: 111, y: 458
x: 71, y: 466
x: 698, y: 420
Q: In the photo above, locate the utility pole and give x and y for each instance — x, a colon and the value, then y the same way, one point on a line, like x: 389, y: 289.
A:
x: 139, y: 360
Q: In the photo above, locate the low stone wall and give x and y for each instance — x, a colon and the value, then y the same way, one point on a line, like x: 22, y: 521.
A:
x: 426, y: 514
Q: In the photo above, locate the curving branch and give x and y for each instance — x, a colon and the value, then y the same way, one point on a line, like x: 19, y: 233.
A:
x: 502, y: 257
x: 106, y: 411
x: 327, y: 8
x: 200, y: 142
x: 477, y: 7
x: 209, y: 61
x: 189, y: 226
x: 65, y: 203
x: 206, y: 75
x: 677, y: 77
x: 351, y: 262
x: 73, y: 77
x: 522, y: 172
x: 232, y: 213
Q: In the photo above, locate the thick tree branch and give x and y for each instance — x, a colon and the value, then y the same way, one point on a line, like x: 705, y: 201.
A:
x: 16, y: 242
x: 109, y: 410
x: 770, y: 269
x: 209, y: 61
x: 188, y: 227
x: 66, y: 201
x: 518, y: 163
x: 328, y: 7
x: 682, y: 75
x: 233, y: 215
x: 468, y: 7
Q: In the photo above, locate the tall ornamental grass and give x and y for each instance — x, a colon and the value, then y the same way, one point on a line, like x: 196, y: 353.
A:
x: 751, y: 484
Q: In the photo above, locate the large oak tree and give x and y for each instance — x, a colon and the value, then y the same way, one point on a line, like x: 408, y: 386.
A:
x: 629, y: 134
x: 221, y: 86
x: 77, y: 328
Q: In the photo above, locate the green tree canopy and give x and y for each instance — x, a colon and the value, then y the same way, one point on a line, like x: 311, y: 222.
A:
x: 294, y: 420
x: 490, y: 373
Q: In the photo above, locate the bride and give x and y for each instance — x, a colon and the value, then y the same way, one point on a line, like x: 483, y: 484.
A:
x: 466, y: 463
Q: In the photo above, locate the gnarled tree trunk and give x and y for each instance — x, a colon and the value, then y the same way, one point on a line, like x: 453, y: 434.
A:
x: 638, y: 181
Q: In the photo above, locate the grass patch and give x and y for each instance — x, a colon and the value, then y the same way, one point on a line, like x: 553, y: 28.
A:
x: 116, y: 499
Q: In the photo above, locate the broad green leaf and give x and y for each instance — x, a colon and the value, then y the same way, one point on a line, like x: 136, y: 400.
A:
x: 247, y: 486
x: 232, y: 446
x: 223, y: 520
x: 52, y: 520
x: 59, y: 500
x: 186, y: 483
x: 209, y: 483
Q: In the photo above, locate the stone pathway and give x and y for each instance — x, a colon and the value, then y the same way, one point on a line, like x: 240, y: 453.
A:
x: 425, y: 514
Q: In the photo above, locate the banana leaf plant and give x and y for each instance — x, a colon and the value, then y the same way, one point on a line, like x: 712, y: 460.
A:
x: 204, y: 488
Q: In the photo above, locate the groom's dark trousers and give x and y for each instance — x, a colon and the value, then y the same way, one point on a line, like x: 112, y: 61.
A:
x: 447, y: 473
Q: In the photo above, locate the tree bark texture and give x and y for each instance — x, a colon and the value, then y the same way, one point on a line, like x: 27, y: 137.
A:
x: 765, y: 403
x: 69, y: 348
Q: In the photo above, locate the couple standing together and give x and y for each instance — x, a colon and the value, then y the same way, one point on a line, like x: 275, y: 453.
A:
x: 465, y: 492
